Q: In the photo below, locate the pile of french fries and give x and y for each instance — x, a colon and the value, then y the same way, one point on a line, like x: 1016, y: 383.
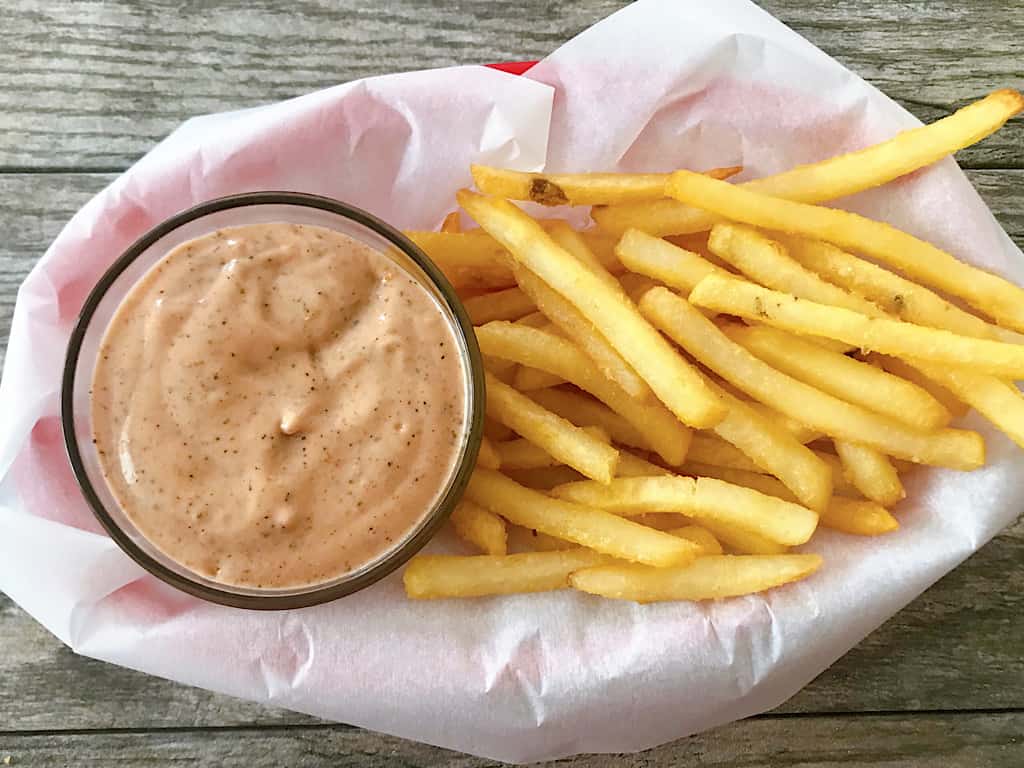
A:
x: 679, y: 395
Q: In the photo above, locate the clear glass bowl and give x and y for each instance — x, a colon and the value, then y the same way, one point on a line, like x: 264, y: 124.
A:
x: 236, y: 210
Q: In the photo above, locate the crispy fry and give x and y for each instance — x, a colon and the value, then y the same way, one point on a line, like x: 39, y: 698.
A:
x: 584, y: 411
x: 848, y: 379
x: 569, y: 444
x: 522, y: 454
x: 576, y: 327
x: 985, y: 291
x: 593, y: 528
x: 958, y: 449
x: 704, y: 538
x: 431, y: 577
x: 544, y: 478
x: 551, y: 353
x: 895, y: 337
x: 488, y: 456
x: 872, y: 472
x: 742, y: 542
x: 470, y: 260
x: 575, y: 243
x: 530, y: 379
x: 733, y: 505
x: 631, y: 465
x: 656, y: 258
x: 801, y: 432
x: 897, y: 367
x: 534, y: 320
x: 509, y: 304
x: 483, y: 529
x: 452, y: 223
x: 672, y: 379
x: 541, y: 542
x: 837, y: 176
x: 707, y: 578
x: 767, y: 262
x: 576, y: 188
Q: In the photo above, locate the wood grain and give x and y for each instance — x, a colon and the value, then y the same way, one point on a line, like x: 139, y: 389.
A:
x: 91, y: 85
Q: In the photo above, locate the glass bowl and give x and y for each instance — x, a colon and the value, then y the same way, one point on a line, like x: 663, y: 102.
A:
x: 103, y: 301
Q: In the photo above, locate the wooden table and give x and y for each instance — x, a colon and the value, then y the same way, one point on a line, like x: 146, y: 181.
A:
x: 87, y: 86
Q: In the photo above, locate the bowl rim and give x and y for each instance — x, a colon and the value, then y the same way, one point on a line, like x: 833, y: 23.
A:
x: 390, y: 561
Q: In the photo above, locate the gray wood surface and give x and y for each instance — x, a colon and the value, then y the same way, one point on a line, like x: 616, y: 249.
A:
x: 86, y: 87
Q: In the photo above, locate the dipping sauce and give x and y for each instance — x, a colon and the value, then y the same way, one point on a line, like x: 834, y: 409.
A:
x: 276, y: 405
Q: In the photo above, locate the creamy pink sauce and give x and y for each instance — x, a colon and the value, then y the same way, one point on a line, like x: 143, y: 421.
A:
x: 276, y: 405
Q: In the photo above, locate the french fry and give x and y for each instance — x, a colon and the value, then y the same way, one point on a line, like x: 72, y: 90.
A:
x: 702, y: 537
x: 636, y: 285
x: 631, y: 465
x: 575, y: 243
x: 985, y: 291
x: 734, y: 505
x: 498, y: 366
x: 707, y: 578
x: 872, y: 472
x: 576, y: 327
x: 541, y: 542
x: 452, y: 223
x: 661, y: 260
x: 433, y: 577
x: 509, y: 304
x: 998, y: 401
x: 673, y: 380
x: 848, y: 379
x: 544, y: 478
x: 553, y: 354
x: 767, y: 262
x: 576, y: 188
x: 801, y: 432
x: 470, y: 260
x: 534, y: 320
x: 837, y: 176
x: 742, y: 542
x: 856, y: 516
x: 897, y: 367
x: 901, y: 298
x: 495, y: 431
x: 483, y: 529
x: 529, y: 379
x: 488, y: 456
x: 894, y: 337
x: 593, y: 528
x: 957, y: 449
x: 522, y: 454
x: 584, y: 411
x: 569, y: 444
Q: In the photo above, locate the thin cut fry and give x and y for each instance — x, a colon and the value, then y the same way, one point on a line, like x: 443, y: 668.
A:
x: 576, y: 327
x: 856, y: 516
x: 704, y: 538
x: 452, y: 223
x: 544, y: 478
x: 707, y: 578
x: 431, y: 577
x: 523, y: 454
x: 733, y: 505
x: 801, y: 432
x: 958, y: 449
x: 837, y: 176
x: 576, y: 188
x: 530, y: 379
x: 985, y: 291
x: 584, y: 411
x: 848, y: 379
x: 567, y: 443
x: 488, y: 457
x: 897, y: 367
x: 593, y: 528
x: 509, y: 304
x: 470, y: 260
x: 546, y: 351
x: 483, y: 529
x: 541, y: 542
x: 534, y: 320
x: 674, y: 266
x: 894, y: 337
x: 741, y: 542
x: 576, y: 244
x: 633, y: 466
x: 872, y: 473
x: 673, y: 380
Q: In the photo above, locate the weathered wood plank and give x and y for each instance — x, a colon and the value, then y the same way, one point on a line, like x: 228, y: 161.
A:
x: 966, y: 740
x: 92, y: 85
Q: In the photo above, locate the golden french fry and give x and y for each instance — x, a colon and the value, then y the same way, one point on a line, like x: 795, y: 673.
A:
x: 576, y: 244
x: 593, y: 528
x: 534, y: 320
x: 470, y: 260
x: 894, y: 337
x: 897, y: 367
x: 958, y: 449
x: 483, y: 529
x: 452, y: 223
x: 553, y: 354
x: 707, y: 578
x: 987, y: 292
x: 636, y: 285
x: 998, y: 401
x: 498, y: 366
x: 661, y: 260
x: 522, y: 454
x: 767, y: 262
x: 584, y: 411
x: 742, y: 542
x: 872, y: 472
x: 733, y: 505
x: 852, y: 380
x: 531, y: 379
x: 631, y: 465
x: 569, y: 444
x: 544, y: 478
x: 509, y: 304
x: 837, y: 176
x: 577, y: 328
x: 702, y: 537
x: 673, y: 380
x: 541, y: 542
x: 488, y: 456
x: 801, y: 432
x: 901, y: 298
x: 576, y: 188
x: 432, y: 577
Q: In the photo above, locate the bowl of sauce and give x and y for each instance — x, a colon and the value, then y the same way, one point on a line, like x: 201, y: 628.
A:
x: 272, y: 400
